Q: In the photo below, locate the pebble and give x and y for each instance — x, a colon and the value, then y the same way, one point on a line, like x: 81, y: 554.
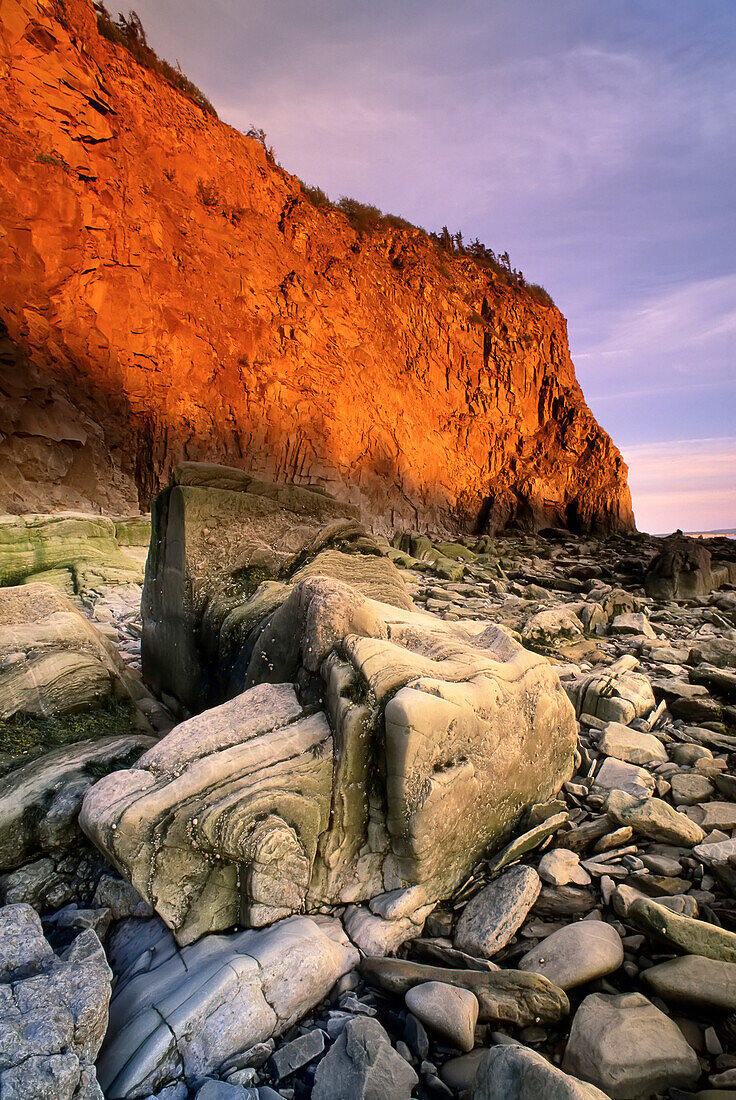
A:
x: 446, y: 1010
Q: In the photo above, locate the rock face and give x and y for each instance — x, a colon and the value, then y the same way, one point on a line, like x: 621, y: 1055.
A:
x: 182, y: 1013
x: 53, y: 1012
x: 683, y: 570
x: 434, y: 738
x: 168, y: 292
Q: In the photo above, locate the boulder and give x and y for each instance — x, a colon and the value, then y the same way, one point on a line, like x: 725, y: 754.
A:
x: 628, y: 1048
x: 435, y: 738
x: 363, y: 1065
x: 701, y: 983
x: 576, y: 954
x: 182, y: 1013
x: 53, y: 661
x: 616, y: 694
x: 511, y: 1071
x: 217, y: 535
x: 40, y: 801
x: 53, y: 1011
x: 681, y: 571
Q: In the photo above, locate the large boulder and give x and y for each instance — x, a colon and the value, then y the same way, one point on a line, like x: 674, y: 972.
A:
x: 434, y: 739
x: 182, y: 1013
x: 683, y: 570
x: 220, y: 541
x: 53, y: 1011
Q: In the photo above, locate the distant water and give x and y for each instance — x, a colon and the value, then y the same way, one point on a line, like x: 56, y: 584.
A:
x: 730, y: 533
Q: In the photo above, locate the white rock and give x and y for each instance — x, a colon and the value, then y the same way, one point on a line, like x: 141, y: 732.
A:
x: 561, y: 866
x: 631, y: 746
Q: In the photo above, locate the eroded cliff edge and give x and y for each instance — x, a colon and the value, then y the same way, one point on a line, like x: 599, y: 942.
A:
x: 149, y: 317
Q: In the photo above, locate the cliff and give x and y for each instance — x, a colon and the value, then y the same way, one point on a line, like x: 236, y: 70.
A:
x: 168, y: 293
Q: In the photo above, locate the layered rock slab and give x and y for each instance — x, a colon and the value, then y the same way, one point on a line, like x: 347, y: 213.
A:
x: 434, y: 738
x: 182, y: 1013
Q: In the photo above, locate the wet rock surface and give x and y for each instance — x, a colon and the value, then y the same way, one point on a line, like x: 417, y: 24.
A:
x: 603, y: 965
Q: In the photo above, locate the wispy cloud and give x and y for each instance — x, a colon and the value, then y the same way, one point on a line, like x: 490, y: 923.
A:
x: 685, y: 483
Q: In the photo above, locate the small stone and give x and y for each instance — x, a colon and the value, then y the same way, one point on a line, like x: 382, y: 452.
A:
x: 451, y: 1012
x: 529, y: 840
x: 513, y: 1072
x: 653, y: 818
x: 363, y: 1065
x: 299, y: 1052
x: 689, y: 788
x: 688, y: 755
x: 492, y: 917
x: 561, y: 866
x: 576, y: 954
x: 626, y: 744
x: 628, y: 1048
x: 616, y: 775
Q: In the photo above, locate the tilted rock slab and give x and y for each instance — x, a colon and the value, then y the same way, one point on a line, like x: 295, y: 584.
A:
x: 181, y: 1013
x: 435, y: 738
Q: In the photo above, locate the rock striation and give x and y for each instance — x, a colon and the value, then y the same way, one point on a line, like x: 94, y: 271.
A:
x: 168, y: 292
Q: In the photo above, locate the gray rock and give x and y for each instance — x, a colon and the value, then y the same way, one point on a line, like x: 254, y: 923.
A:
x: 491, y: 918
x: 459, y: 1073
x: 527, y: 841
x: 653, y: 818
x: 221, y: 1090
x: 53, y: 1011
x: 122, y: 899
x: 626, y: 744
x: 697, y: 981
x: 561, y: 866
x: 187, y: 1012
x: 628, y: 1048
x: 576, y: 954
x: 446, y: 1010
x: 299, y: 1052
x: 513, y: 1072
x: 689, y: 788
x: 616, y: 775
x: 376, y: 936
x: 363, y: 1065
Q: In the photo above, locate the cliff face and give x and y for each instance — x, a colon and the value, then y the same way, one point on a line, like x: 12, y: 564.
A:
x: 150, y: 318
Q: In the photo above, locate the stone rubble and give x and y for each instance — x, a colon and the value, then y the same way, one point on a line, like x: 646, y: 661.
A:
x: 592, y: 953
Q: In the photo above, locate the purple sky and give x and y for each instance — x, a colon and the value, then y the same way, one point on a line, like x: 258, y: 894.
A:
x: 594, y: 141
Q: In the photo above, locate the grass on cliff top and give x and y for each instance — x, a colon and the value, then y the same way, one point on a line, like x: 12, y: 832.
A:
x: 130, y: 34
x: 25, y: 736
x: 366, y: 219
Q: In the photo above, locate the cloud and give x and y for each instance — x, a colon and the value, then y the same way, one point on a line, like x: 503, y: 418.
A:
x: 685, y: 483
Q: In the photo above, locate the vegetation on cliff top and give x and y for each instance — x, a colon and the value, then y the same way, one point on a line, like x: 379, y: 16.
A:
x: 363, y: 217
x: 130, y: 34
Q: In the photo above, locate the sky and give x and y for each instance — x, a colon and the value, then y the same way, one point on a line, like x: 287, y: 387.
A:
x: 595, y: 141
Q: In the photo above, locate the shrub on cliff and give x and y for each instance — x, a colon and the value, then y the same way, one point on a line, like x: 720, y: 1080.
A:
x: 130, y: 34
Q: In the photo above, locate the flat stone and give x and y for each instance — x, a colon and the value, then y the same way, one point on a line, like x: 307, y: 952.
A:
x: 362, y: 1064
x: 624, y: 897
x: 687, y: 755
x: 694, y: 936
x: 491, y: 918
x: 561, y: 866
x: 299, y: 1052
x: 653, y: 818
x: 689, y: 788
x: 526, y: 842
x: 716, y: 852
x: 716, y: 815
x: 617, y: 775
x: 623, y: 743
x: 693, y: 980
x: 513, y: 1072
x: 576, y: 954
x: 628, y: 1048
x: 446, y: 1010
x: 512, y: 996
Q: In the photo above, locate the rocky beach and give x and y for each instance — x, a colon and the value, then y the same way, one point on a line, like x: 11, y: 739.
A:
x: 378, y: 819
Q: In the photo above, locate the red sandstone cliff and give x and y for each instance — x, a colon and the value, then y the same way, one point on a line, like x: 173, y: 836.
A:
x: 143, y: 326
